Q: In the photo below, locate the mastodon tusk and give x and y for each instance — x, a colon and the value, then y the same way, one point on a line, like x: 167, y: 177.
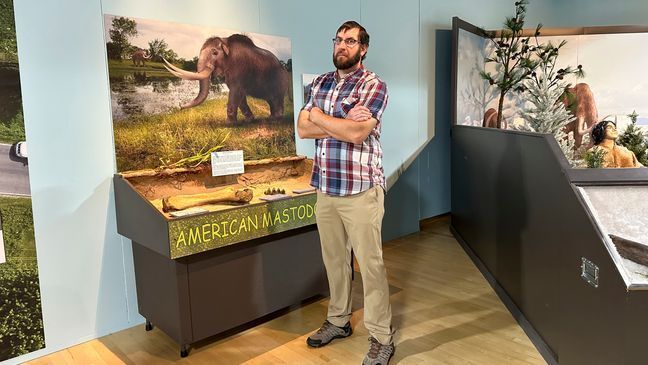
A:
x: 175, y: 73
x: 171, y: 65
x: 186, y: 75
x: 202, y: 95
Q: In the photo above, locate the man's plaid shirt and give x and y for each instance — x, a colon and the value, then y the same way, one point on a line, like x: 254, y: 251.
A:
x: 343, y: 168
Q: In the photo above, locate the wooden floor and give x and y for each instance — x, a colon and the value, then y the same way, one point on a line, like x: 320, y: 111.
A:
x: 443, y: 309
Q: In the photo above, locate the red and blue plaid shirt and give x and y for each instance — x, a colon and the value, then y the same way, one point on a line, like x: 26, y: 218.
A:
x: 342, y: 168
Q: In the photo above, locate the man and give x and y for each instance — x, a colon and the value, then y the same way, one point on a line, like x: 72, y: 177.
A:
x: 343, y: 114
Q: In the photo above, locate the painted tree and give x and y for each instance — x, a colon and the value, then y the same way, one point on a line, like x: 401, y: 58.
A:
x: 477, y: 96
x: 634, y: 139
x: 513, y: 54
x: 157, y: 49
x: 545, y: 90
x: 122, y: 29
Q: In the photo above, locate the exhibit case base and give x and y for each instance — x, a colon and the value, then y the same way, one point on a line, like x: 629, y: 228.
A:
x: 202, y: 295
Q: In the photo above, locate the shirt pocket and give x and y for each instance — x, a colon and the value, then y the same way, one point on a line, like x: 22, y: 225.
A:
x: 348, y: 103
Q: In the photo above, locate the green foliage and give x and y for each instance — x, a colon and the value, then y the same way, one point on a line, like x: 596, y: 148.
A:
x: 18, y: 227
x: 634, y: 140
x: 202, y: 156
x: 13, y: 130
x: 8, y: 46
x: 113, y: 51
x: 513, y: 54
x: 121, y: 68
x: 594, y: 158
x: 159, y: 49
x: 122, y: 29
x: 191, y: 65
x: 21, y: 323
x: 21, y: 320
x: 144, y: 141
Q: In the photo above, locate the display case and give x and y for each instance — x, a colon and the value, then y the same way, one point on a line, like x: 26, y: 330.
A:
x: 210, y: 188
x: 226, y: 265
x: 563, y: 245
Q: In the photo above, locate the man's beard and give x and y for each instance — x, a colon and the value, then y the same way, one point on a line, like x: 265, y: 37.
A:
x: 351, y: 61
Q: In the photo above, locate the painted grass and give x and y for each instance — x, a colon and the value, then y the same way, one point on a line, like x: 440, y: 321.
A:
x: 153, y: 141
x: 118, y: 68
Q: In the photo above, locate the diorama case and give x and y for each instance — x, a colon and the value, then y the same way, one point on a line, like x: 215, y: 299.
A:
x: 564, y: 247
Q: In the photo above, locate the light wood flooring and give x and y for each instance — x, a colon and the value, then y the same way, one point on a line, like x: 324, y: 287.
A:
x: 443, y: 309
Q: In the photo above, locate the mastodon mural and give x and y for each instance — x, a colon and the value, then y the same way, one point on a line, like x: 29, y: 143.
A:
x: 246, y: 69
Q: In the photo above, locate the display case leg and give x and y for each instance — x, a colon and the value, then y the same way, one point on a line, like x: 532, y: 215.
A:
x: 149, y: 325
x: 184, y: 350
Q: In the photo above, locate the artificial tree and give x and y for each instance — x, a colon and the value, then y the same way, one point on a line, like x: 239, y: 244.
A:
x: 634, y: 140
x: 513, y: 55
x: 546, y: 88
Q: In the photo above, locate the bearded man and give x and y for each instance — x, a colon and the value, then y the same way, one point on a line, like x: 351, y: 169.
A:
x: 343, y: 113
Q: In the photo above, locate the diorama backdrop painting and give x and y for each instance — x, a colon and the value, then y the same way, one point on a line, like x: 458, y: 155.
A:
x: 159, y: 116
x: 615, y: 71
x: 21, y: 320
x: 307, y: 83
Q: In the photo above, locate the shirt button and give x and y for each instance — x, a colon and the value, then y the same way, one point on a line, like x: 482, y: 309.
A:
x: 323, y: 154
x: 323, y: 171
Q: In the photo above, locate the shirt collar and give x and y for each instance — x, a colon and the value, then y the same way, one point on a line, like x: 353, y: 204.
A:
x: 350, y: 76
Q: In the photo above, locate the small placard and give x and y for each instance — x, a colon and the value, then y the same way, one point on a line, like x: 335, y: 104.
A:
x: 227, y: 163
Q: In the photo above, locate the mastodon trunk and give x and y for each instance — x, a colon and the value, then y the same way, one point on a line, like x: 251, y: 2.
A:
x: 202, y: 94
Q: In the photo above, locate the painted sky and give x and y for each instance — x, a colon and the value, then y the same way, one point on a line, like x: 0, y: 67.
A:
x: 615, y: 68
x: 186, y: 39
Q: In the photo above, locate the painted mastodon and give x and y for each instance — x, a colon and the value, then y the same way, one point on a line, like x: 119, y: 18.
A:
x: 139, y: 57
x: 580, y: 102
x: 246, y: 69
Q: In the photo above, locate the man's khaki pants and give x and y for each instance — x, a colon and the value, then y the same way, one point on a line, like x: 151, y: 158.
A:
x: 355, y: 222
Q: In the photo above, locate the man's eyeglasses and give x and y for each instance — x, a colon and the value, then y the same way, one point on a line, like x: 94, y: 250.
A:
x: 350, y: 42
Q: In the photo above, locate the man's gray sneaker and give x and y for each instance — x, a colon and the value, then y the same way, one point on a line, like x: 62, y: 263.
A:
x: 327, y: 333
x: 378, y: 354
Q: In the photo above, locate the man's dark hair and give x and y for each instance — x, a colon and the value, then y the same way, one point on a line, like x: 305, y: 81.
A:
x: 363, y: 36
x: 598, y: 132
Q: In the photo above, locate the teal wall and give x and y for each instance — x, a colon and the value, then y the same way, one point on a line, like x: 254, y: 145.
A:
x: 577, y: 13
x: 86, y: 268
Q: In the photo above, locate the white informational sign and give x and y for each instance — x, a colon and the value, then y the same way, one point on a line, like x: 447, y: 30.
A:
x: 3, y: 259
x: 227, y: 163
